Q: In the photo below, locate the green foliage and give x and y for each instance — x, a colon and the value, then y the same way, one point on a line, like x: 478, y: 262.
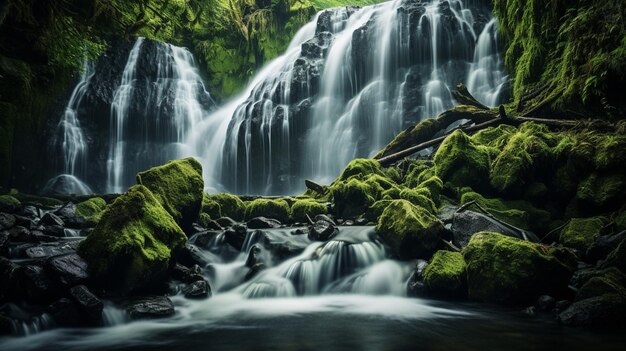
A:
x: 301, y: 208
x: 276, y: 209
x: 230, y: 205
x: 130, y: 248
x: 178, y: 185
x: 507, y: 270
x: 445, y: 275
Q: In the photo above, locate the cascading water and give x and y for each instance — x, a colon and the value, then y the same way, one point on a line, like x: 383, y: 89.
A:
x: 350, y: 81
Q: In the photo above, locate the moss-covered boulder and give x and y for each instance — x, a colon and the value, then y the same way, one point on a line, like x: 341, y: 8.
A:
x: 361, y: 167
x: 130, y: 248
x: 419, y: 198
x: 231, y: 205
x: 178, y: 185
x: 580, y: 233
x: 411, y: 231
x: 462, y: 162
x: 210, y: 207
x: 91, y: 209
x: 376, y: 210
x: 301, y: 208
x: 353, y: 197
x: 8, y: 203
x: 445, y: 276
x: 507, y: 270
x: 276, y: 209
x: 602, y: 190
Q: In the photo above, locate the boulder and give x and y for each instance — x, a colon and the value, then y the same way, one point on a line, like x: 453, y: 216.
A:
x: 507, y: 270
x: 89, y: 303
x: 19, y: 233
x: 263, y: 223
x: 581, y: 233
x: 131, y: 246
x: 617, y: 257
x: 8, y: 203
x: 178, y: 186
x: 187, y: 275
x: 445, y: 276
x: 322, y: 231
x: 149, y: 307
x: 276, y: 209
x: 604, y: 244
x: 226, y: 222
x: 90, y: 211
x: 51, y: 219
x: 461, y: 162
x: 199, y: 289
x: 411, y: 231
x: 6, y: 221
x: 467, y: 223
x: 230, y: 206
x: 545, y: 303
x: 236, y: 235
x: 604, y: 310
x: 51, y: 249
x: 69, y: 269
x: 65, y: 313
x: 7, y: 277
x: 34, y: 284
x: 301, y: 208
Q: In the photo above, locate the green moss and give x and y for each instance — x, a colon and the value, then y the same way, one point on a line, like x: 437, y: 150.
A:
x: 8, y: 202
x: 461, y: 162
x: 507, y: 270
x: 434, y: 185
x: 393, y: 174
x: 415, y: 171
x: 178, y: 185
x: 445, y: 275
x: 419, y: 199
x: 276, y: 209
x: 301, y: 208
x: 580, y: 233
x: 411, y: 231
x: 91, y: 209
x: 609, y: 151
x: 362, y: 168
x: 496, y: 137
x: 230, y: 205
x: 601, y: 191
x: 130, y: 247
x: 393, y: 193
x: 204, y: 219
x: 519, y: 213
x: 601, y: 285
x: 210, y: 207
x: 376, y: 210
x: 353, y: 197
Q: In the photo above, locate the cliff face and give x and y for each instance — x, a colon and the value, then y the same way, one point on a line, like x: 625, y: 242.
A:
x: 566, y: 58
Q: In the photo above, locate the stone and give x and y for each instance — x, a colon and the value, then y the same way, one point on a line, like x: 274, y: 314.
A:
x: 603, y: 245
x: 6, y: 221
x: 51, y: 219
x: 54, y: 230
x: 604, y: 310
x: 467, y: 223
x: 263, y: 223
x: 65, y: 313
x: 149, y: 307
x: 51, y: 249
x: 236, y: 235
x: 34, y: 283
x: 20, y: 234
x: 322, y: 231
x: 545, y: 303
x: 204, y: 239
x: 226, y: 222
x: 69, y: 269
x: 199, y: 289
x: 4, y: 243
x: 7, y: 277
x: 89, y: 303
x: 187, y: 275
x: 445, y: 275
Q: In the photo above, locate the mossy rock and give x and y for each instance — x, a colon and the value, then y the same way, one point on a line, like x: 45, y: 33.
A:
x: 231, y: 205
x: 301, y: 208
x: 130, y: 248
x: 361, y: 167
x: 204, y: 220
x: 617, y: 258
x: 496, y: 137
x: 445, y: 276
x: 91, y: 209
x: 508, y: 270
x: 8, y: 203
x: 210, y: 207
x: 602, y: 285
x: 178, y: 185
x: 601, y: 191
x: 519, y: 213
x: 461, y: 162
x: 416, y: 171
x: 420, y: 199
x: 609, y: 151
x: 581, y: 233
x: 411, y: 231
x: 393, y: 174
x: 353, y: 197
x: 276, y: 209
x: 376, y: 210
x: 434, y: 185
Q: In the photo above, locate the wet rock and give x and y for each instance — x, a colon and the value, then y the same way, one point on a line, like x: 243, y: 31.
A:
x: 253, y: 256
x: 87, y: 302
x: 467, y: 223
x: 204, y: 239
x: 360, y: 221
x: 254, y: 270
x: 19, y: 233
x: 187, y: 275
x: 197, y: 290
x: 6, y: 221
x: 213, y: 225
x: 263, y: 223
x: 51, y: 249
x: 65, y: 313
x: 7, y: 277
x: 68, y: 210
x: 37, y: 236
x: 322, y: 231
x: 69, y: 269
x: 236, y: 235
x: 54, y: 230
x: 326, y: 218
x: 149, y: 307
x: 562, y: 305
x: 545, y: 303
x: 603, y: 245
x: 605, y: 310
x: 31, y: 211
x: 34, y: 283
x: 50, y: 219
x: 24, y: 221
x: 76, y: 222
x: 225, y: 222
x: 445, y: 275
x: 530, y: 311
x: 415, y: 285
x: 4, y: 243
x: 190, y: 255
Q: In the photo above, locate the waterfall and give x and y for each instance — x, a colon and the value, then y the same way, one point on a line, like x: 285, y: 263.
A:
x: 350, y: 81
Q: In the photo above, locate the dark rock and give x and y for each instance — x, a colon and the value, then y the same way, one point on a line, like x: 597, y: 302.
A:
x: 68, y: 210
x: 322, y: 231
x: 197, y: 290
x: 4, y: 243
x: 415, y: 286
x: 31, y: 212
x: 54, y: 230
x: 7, y: 221
x: 349, y: 222
x: 24, y: 221
x: 213, y: 225
x: 545, y: 303
x: 253, y: 256
x: 89, y: 303
x: 77, y: 222
x: 20, y: 234
x: 195, y: 229
x: 562, y: 305
x: 34, y: 283
x: 323, y: 217
x: 149, y: 307
x: 37, y: 237
x: 605, y: 310
x: 69, y: 269
x: 467, y: 223
x: 189, y: 255
x: 50, y: 219
x: 360, y: 221
x: 300, y: 231
x: 187, y: 275
x: 603, y: 245
x: 226, y: 222
x: 236, y: 235
x: 5, y: 325
x: 7, y: 277
x: 204, y: 239
x: 65, y: 313
x: 51, y: 249
x: 263, y: 223
x: 530, y: 311
x: 254, y: 270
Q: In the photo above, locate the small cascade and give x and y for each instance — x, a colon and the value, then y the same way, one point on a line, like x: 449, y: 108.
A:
x: 350, y: 81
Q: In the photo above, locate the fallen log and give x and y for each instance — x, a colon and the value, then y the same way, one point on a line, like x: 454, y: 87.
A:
x: 464, y: 97
x: 320, y: 189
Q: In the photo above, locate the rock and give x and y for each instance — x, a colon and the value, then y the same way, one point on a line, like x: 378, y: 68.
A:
x: 348, y: 222
x: 411, y: 231
x: 236, y: 235
x: 4, y: 243
x: 230, y: 205
x: 507, y: 270
x: 34, y: 283
x: 68, y: 210
x: 226, y: 222
x: 65, y: 313
x: 6, y: 221
x: 603, y: 245
x: 562, y: 305
x: 20, y: 234
x: 204, y: 239
x: 460, y: 162
x: 90, y: 211
x: 322, y: 231
x: 31, y: 212
x: 7, y: 277
x: 51, y: 249
x: 361, y: 221
x: 149, y: 307
x: 605, y: 310
x: 323, y: 217
x: 89, y: 303
x: 69, y: 269
x: 50, y: 219
x: 54, y: 230
x: 37, y: 236
x: 254, y: 270
x: 197, y: 290
x: 617, y: 257
x: 301, y: 208
x: 445, y: 275
x: 530, y: 311
x: 8, y: 203
x: 581, y: 233
x: 263, y: 223
x: 187, y: 275
x: 467, y: 223
x: 602, y: 282
x: 276, y: 209
x: 24, y: 221
x: 189, y: 255
x: 253, y: 256
x: 415, y: 286
x: 178, y: 186
x: 545, y: 303
x: 78, y: 222
x: 131, y: 246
